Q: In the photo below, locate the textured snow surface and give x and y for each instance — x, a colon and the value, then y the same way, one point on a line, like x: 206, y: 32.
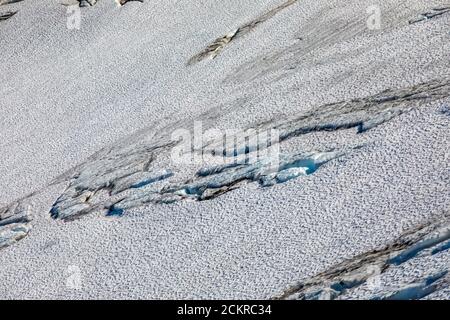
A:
x: 94, y: 207
x: 371, y: 272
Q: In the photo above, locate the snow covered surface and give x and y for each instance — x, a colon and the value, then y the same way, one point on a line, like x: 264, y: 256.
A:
x: 96, y: 208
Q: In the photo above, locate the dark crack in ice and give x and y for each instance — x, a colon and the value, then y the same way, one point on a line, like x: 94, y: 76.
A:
x: 417, y: 289
x: 14, y: 223
x: 5, y: 2
x: 217, y: 46
x: 6, y: 15
x: 350, y: 274
x: 361, y: 114
x: 138, y: 171
x: 433, y: 13
x: 90, y: 3
x: 121, y: 179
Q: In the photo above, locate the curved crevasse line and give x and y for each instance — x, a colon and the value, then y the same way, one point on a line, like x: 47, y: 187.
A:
x: 124, y: 176
x: 6, y: 15
x: 218, y: 45
x: 15, y: 222
x: 352, y: 273
x: 417, y: 289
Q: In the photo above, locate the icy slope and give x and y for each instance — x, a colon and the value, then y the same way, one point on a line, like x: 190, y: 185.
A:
x: 88, y: 123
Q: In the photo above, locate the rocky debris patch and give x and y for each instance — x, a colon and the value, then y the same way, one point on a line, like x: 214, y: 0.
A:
x: 338, y: 281
x: 433, y: 13
x: 216, y: 47
x: 14, y: 223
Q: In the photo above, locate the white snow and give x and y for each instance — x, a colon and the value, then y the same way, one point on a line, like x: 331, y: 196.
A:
x: 65, y: 94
